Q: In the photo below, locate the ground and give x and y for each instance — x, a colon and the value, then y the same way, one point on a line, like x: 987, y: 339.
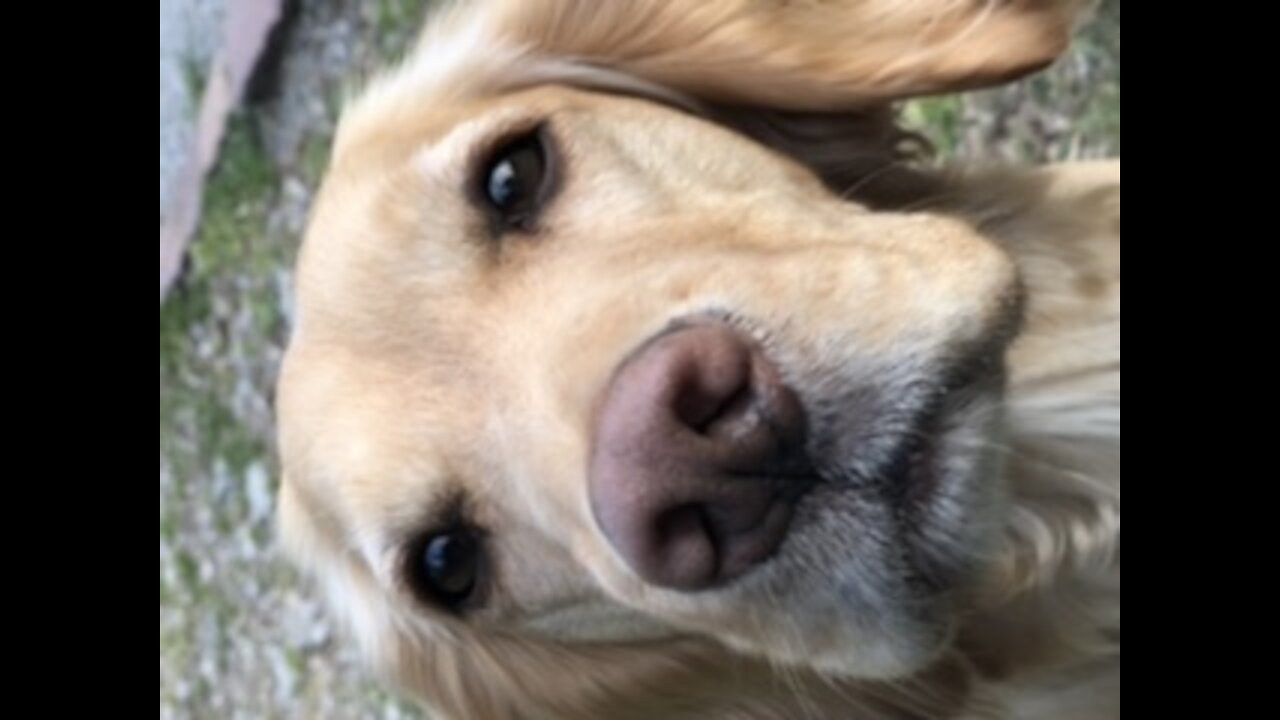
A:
x: 239, y: 636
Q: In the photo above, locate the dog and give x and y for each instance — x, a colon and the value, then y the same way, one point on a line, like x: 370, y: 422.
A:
x: 641, y: 372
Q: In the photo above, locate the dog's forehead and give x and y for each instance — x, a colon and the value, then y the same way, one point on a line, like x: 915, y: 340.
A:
x: 395, y: 231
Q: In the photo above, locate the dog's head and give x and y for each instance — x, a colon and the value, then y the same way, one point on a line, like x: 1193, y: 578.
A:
x: 603, y: 377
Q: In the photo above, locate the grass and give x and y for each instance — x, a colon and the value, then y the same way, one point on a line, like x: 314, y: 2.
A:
x: 395, y: 22
x: 226, y: 602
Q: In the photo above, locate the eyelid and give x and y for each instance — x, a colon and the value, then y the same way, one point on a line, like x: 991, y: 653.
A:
x: 401, y: 534
x: 442, y: 516
x: 490, y: 152
x: 486, y: 151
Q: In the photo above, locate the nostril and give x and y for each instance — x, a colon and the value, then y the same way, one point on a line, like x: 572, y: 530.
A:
x: 709, y: 378
x: 679, y: 522
x: 686, y: 542
x: 738, y: 417
x: 704, y: 412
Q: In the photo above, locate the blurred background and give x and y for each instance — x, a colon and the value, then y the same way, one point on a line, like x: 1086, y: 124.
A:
x: 249, y: 96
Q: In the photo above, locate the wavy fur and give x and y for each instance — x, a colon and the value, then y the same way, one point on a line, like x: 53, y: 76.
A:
x: 1041, y: 640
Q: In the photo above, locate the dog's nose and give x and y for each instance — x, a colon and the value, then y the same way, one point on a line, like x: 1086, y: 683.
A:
x: 699, y: 459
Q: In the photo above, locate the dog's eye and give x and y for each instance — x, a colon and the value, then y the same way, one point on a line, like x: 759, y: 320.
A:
x: 445, y: 568
x: 515, y: 181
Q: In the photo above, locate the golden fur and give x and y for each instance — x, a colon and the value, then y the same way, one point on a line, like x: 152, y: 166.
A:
x: 735, y: 158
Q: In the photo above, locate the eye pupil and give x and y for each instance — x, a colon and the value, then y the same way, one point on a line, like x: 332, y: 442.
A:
x: 503, y: 185
x: 450, y: 568
x: 515, y: 182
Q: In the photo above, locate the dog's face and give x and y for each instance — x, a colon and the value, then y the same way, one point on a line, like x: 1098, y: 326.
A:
x: 579, y: 371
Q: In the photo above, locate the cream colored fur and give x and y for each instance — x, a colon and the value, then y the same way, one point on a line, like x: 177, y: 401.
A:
x: 728, y: 155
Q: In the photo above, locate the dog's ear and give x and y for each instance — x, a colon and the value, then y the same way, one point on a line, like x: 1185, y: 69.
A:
x: 806, y: 55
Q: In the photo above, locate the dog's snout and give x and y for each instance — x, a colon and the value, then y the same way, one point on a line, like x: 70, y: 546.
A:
x: 698, y: 460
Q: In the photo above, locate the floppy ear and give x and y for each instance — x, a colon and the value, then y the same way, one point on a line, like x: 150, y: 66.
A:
x: 812, y: 79
x: 812, y: 55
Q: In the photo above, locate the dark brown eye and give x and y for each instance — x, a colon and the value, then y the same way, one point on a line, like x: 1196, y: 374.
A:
x: 515, y: 181
x: 446, y: 568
